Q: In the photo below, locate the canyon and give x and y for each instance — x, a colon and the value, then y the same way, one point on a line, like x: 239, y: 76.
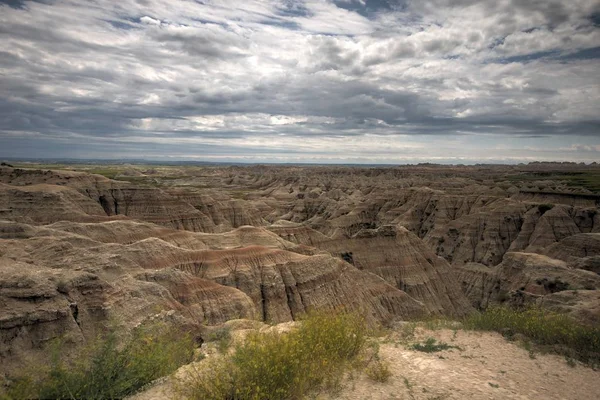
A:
x: 85, y: 247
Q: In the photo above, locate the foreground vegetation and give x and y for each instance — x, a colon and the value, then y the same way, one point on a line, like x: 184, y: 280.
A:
x: 313, y: 357
x: 317, y: 355
x: 550, y: 331
x: 105, y: 368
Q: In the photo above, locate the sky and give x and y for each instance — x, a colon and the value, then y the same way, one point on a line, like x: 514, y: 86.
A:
x: 315, y: 81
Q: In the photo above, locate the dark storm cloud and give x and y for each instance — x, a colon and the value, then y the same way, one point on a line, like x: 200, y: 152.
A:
x: 249, y: 77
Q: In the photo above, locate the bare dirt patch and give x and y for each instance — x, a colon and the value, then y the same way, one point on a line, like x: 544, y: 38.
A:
x: 485, y: 366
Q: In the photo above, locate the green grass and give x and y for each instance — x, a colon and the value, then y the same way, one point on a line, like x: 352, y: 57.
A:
x: 585, y: 179
x: 289, y: 365
x: 550, y: 331
x: 588, y: 180
x: 39, y: 165
x: 105, y: 368
x: 106, y: 172
x: 430, y: 345
x: 222, y: 337
x: 379, y: 371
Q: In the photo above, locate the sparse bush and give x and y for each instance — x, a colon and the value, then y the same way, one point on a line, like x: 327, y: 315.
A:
x: 222, y: 336
x: 559, y: 333
x: 284, y: 365
x: 106, y: 369
x: 407, y: 331
x: 430, y: 346
x: 379, y: 371
x: 212, y: 379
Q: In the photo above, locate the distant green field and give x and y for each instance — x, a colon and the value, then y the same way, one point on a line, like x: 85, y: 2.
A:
x: 41, y: 166
x: 586, y: 179
x: 589, y: 181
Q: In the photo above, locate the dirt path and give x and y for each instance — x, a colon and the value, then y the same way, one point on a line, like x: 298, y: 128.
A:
x: 486, y: 367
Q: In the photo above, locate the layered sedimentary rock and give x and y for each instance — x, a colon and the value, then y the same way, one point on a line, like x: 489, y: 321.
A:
x: 521, y: 279
x: 50, y: 196
x: 42, y: 204
x: 399, y: 257
x: 579, y: 251
x: 582, y: 305
x: 462, y: 218
x: 225, y: 213
x: 480, y: 284
x: 206, y: 245
x: 73, y: 279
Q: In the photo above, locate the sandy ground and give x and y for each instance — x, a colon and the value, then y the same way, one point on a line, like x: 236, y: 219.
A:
x: 485, y: 366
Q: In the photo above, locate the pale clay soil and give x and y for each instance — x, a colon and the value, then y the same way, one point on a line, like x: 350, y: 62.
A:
x: 486, y: 366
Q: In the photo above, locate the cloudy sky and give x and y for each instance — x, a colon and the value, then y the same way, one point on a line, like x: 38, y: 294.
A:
x: 346, y: 81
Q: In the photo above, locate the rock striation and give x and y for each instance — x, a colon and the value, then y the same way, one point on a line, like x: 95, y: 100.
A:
x: 204, y: 245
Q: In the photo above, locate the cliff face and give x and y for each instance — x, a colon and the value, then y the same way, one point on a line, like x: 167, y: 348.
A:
x: 42, y: 197
x: 43, y: 204
x: 399, y: 257
x: 579, y: 251
x: 527, y: 278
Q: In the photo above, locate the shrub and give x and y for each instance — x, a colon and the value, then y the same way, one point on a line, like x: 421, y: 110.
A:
x: 379, y: 371
x: 558, y: 332
x: 106, y: 370
x: 222, y: 336
x: 430, y: 346
x: 283, y: 365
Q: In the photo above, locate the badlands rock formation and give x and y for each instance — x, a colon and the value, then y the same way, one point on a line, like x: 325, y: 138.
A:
x: 199, y: 246
x: 398, y: 256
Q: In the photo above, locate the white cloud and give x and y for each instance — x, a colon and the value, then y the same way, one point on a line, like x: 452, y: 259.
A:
x: 149, y: 20
x: 244, y: 72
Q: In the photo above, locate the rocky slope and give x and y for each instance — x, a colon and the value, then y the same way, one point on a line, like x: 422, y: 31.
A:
x: 203, y: 245
x: 399, y: 257
x: 73, y: 279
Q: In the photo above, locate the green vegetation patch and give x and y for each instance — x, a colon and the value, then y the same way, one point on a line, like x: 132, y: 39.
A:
x: 283, y: 365
x: 430, y: 345
x: 585, y: 179
x: 222, y: 337
x: 105, y: 368
x: 379, y: 371
x: 106, y: 172
x: 588, y: 180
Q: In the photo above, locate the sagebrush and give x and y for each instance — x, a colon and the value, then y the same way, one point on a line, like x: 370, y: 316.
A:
x: 283, y: 365
x: 106, y: 368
